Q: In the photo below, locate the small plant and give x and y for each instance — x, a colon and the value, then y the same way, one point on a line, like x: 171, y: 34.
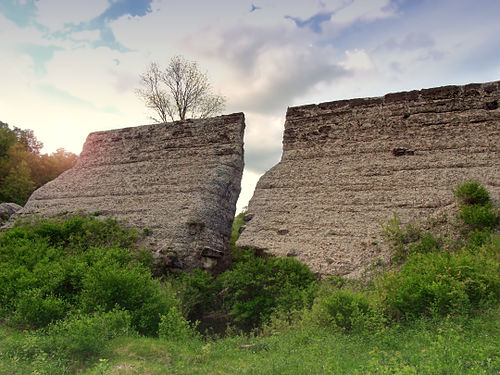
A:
x: 471, y: 193
x: 410, y: 240
x: 173, y: 326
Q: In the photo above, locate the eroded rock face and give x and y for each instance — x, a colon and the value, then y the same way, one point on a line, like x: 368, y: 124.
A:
x: 178, y: 182
x: 348, y: 165
x: 7, y: 210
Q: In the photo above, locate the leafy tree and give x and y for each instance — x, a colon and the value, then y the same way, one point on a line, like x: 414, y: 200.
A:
x: 179, y: 91
x: 7, y: 138
x: 18, y: 186
x: 27, y: 138
x: 23, y: 168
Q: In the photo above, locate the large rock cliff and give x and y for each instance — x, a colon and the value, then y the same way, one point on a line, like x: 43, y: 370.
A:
x: 348, y: 165
x: 178, y: 182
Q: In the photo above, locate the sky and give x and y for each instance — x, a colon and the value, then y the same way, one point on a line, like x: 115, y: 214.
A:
x: 71, y: 67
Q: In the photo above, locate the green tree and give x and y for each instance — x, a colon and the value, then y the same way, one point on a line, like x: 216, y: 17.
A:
x: 23, y: 168
x: 17, y: 185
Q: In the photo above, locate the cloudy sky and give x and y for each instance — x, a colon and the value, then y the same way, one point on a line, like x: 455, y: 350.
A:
x: 70, y: 67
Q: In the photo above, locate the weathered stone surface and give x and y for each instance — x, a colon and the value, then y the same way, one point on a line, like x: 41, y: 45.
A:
x: 348, y: 165
x: 7, y: 210
x: 177, y: 181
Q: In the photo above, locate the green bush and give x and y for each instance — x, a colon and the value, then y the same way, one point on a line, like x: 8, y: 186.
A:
x: 77, y: 338
x: 472, y: 193
x: 196, y: 292
x: 478, y: 238
x: 254, y: 289
x: 109, y: 284
x: 441, y: 283
x: 173, y: 326
x: 35, y: 310
x: 410, y: 240
x: 51, y: 267
x: 480, y: 216
x: 345, y: 310
x: 84, y: 336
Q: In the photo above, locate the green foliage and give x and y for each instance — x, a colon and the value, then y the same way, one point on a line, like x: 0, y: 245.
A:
x: 22, y: 168
x: 34, y: 309
x: 17, y: 185
x: 410, y: 240
x: 239, y: 254
x: 254, y: 289
x: 108, y: 284
x: 173, y: 326
x: 346, y: 310
x: 196, y: 292
x: 51, y: 268
x: 480, y: 216
x: 77, y: 233
x: 77, y: 338
x: 441, y: 283
x: 84, y: 336
x: 238, y: 222
x: 472, y: 193
x: 453, y: 346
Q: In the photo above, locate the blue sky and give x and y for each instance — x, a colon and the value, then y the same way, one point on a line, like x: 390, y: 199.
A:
x: 71, y: 67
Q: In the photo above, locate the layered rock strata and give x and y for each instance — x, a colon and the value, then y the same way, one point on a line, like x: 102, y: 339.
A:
x: 348, y: 165
x: 176, y: 182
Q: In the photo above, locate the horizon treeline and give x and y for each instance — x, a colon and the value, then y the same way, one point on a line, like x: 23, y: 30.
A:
x: 23, y: 168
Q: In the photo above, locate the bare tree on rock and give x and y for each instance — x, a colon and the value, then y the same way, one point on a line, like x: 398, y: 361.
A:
x: 180, y: 91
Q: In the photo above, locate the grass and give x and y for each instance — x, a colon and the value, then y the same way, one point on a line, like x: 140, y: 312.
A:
x: 426, y: 346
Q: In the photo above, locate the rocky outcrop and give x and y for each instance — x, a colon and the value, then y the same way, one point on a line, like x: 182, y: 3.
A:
x: 348, y: 165
x: 176, y: 182
x: 7, y: 210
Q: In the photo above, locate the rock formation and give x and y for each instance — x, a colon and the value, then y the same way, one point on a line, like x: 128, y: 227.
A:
x: 176, y: 182
x: 348, y: 165
x: 7, y: 210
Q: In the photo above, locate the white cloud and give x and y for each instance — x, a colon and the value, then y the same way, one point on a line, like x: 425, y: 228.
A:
x: 358, y: 61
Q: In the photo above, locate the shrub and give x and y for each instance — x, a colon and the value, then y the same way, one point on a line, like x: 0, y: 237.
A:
x: 478, y: 238
x: 78, y: 337
x: 108, y: 284
x: 238, y: 222
x: 195, y: 291
x: 84, y: 336
x: 51, y: 267
x: 345, y: 310
x: 255, y: 289
x: 480, y: 217
x: 410, y: 240
x: 173, y: 326
x: 441, y: 283
x: 472, y: 193
x: 77, y: 233
x: 35, y: 310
